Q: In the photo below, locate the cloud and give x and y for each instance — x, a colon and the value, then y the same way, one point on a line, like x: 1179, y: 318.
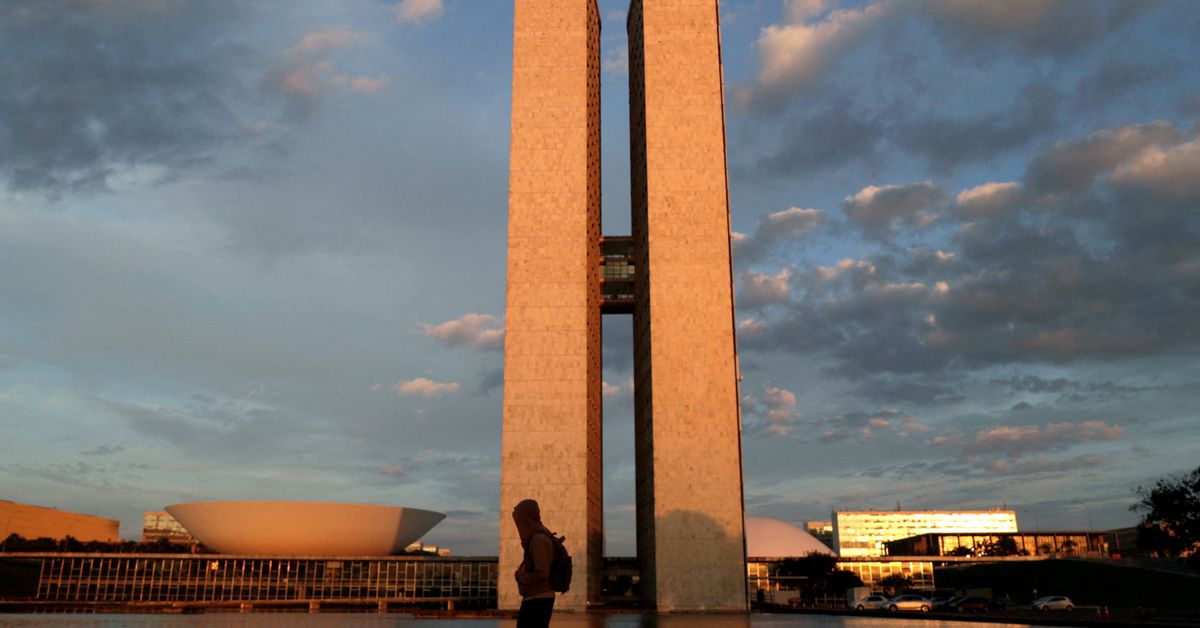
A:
x: 1089, y: 257
x: 483, y: 332
x: 75, y: 112
x: 393, y: 470
x: 329, y: 38
x: 424, y: 387
x: 797, y: 11
x: 1071, y: 167
x: 1039, y: 28
x: 1018, y: 441
x: 306, y: 69
x: 776, y: 229
x: 780, y: 410
x: 759, y: 289
x: 829, y: 138
x: 369, y: 84
x: 950, y: 142
x: 1167, y: 174
x: 774, y: 414
x: 306, y: 79
x: 615, y: 391
x: 795, y: 54
x: 881, y: 210
x: 616, y: 61
x: 989, y: 199
x: 414, y: 11
x: 104, y: 450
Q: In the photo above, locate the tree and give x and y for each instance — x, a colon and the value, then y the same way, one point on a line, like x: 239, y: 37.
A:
x: 1171, y: 515
x: 815, y: 573
x: 896, y: 583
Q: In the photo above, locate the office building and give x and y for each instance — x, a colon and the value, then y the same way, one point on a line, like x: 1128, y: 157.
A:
x: 864, y: 533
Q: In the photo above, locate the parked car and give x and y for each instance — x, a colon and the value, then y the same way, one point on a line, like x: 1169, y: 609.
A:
x: 909, y: 602
x: 936, y: 603
x: 871, y: 602
x: 972, y: 604
x: 1053, y: 603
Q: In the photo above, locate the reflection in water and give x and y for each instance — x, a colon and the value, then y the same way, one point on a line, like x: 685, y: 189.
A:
x: 397, y: 620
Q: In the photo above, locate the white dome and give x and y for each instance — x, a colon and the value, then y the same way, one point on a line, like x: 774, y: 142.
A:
x: 303, y: 528
x: 773, y: 538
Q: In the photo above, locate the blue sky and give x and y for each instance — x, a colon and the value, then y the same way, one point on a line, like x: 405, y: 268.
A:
x: 255, y: 250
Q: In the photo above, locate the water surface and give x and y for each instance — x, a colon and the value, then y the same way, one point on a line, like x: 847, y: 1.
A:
x: 400, y: 620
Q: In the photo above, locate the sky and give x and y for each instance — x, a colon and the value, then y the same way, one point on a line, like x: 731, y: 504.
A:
x: 256, y: 250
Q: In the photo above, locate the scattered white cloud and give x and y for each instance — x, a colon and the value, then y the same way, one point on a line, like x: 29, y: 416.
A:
x: 330, y: 38
x: 759, y: 289
x: 1017, y: 441
x: 797, y: 11
x: 793, y: 55
x: 880, y: 210
x: 424, y: 387
x: 616, y: 61
x: 1171, y: 173
x: 989, y: 199
x: 413, y: 11
x: 478, y: 331
x: 779, y: 411
x: 370, y: 84
x: 393, y: 470
x: 306, y: 79
x: 774, y: 229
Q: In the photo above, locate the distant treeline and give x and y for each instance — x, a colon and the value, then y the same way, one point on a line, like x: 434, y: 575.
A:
x: 18, y: 543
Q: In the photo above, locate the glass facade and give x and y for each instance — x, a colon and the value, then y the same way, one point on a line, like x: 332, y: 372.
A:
x: 93, y: 578
x: 1049, y: 544
x: 876, y: 571
x: 864, y: 533
x: 763, y: 576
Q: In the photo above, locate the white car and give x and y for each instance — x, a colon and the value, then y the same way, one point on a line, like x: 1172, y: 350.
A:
x: 871, y: 602
x: 909, y: 602
x: 1053, y: 603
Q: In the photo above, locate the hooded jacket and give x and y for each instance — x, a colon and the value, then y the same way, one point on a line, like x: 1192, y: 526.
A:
x: 533, y: 576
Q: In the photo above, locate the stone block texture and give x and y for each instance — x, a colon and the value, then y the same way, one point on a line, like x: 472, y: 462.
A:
x: 551, y: 442
x: 691, y: 543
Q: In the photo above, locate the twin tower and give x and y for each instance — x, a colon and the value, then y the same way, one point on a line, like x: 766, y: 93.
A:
x: 673, y: 275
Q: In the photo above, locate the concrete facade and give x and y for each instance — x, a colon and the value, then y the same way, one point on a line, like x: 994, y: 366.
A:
x: 691, y: 546
x: 34, y: 522
x: 551, y: 440
x: 687, y: 430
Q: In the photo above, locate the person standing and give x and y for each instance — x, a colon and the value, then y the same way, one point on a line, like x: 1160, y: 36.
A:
x: 533, y: 574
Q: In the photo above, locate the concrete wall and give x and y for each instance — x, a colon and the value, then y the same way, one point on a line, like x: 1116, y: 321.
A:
x: 552, y: 404
x: 32, y: 522
x: 687, y: 435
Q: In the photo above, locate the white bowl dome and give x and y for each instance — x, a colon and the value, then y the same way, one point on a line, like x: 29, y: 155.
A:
x: 772, y: 538
x: 303, y: 528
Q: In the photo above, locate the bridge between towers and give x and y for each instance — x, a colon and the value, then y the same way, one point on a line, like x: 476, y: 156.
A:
x: 618, y: 275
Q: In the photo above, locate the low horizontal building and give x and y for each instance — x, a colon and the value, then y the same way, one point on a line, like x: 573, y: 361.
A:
x: 863, y: 533
x: 991, y: 545
x: 215, y: 580
x: 36, y: 522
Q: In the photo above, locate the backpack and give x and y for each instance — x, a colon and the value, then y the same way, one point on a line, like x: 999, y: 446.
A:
x: 560, y: 565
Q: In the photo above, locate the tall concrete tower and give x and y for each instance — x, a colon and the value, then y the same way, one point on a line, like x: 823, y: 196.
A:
x: 673, y: 275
